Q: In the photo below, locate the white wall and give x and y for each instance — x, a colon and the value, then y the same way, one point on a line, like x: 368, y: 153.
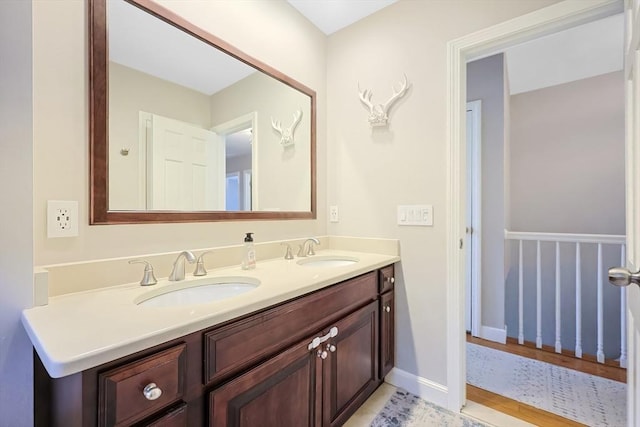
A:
x: 370, y: 172
x: 486, y: 82
x: 61, y: 123
x: 567, y: 176
x: 16, y: 219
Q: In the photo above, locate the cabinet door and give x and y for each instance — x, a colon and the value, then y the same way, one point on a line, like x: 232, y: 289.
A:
x: 387, y: 333
x: 279, y: 392
x: 350, y: 370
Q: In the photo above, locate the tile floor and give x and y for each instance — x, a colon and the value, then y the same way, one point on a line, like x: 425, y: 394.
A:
x: 370, y: 408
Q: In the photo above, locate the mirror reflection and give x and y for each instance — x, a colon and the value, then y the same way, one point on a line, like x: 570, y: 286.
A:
x: 192, y: 128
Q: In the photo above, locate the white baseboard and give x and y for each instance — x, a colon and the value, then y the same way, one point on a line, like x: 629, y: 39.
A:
x: 422, y: 387
x: 493, y: 334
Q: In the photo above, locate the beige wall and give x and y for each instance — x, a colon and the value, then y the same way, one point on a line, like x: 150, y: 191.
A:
x: 574, y: 133
x: 16, y: 218
x: 283, y: 176
x: 61, y: 123
x: 131, y: 91
x: 486, y: 82
x: 370, y: 172
x: 567, y: 176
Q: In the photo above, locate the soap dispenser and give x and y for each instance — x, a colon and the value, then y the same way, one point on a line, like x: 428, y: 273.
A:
x: 249, y: 255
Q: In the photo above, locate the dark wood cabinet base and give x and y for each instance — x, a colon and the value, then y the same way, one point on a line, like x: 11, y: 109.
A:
x: 311, y: 361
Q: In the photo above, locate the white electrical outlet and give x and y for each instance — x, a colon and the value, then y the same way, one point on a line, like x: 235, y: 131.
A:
x: 62, y: 218
x: 333, y: 214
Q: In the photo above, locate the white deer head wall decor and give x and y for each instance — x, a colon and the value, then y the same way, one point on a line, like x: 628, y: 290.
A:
x: 287, y: 135
x: 379, y: 113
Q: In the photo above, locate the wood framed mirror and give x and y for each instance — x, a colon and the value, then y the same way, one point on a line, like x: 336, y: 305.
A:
x: 185, y: 127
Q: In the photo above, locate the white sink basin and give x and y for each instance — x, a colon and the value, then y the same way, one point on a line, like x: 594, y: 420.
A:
x: 328, y: 261
x: 198, y: 291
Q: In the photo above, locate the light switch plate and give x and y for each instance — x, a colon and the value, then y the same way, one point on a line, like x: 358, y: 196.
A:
x: 62, y: 218
x: 421, y: 215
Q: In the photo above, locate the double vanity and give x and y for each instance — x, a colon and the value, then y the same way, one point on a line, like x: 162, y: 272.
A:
x: 295, y: 342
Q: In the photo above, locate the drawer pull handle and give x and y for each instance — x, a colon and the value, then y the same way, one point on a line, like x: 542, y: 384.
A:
x: 387, y: 309
x: 319, y: 340
x: 152, y: 391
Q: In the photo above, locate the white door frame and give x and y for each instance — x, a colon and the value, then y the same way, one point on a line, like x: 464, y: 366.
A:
x: 483, y: 43
x: 474, y: 219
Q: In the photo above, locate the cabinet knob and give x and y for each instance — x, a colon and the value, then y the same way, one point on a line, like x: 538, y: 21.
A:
x: 331, y: 348
x: 322, y: 354
x: 391, y: 280
x: 152, y: 391
x: 387, y: 309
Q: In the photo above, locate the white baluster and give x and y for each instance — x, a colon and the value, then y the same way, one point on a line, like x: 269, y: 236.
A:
x: 600, y: 346
x: 520, y: 295
x: 578, y: 302
x: 538, y: 297
x: 558, y: 302
x: 623, y: 313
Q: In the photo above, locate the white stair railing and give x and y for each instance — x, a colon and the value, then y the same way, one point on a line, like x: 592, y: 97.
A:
x: 579, y: 240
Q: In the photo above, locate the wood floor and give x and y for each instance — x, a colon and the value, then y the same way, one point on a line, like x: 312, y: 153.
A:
x: 529, y: 413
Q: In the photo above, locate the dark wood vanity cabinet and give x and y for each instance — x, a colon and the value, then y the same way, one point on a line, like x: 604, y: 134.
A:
x: 387, y: 320
x: 311, y: 361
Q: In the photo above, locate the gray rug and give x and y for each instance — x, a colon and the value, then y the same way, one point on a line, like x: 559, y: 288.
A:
x: 408, y: 410
x: 581, y: 397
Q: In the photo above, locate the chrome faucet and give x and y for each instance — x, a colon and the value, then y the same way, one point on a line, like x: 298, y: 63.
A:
x: 304, y: 251
x: 178, y: 265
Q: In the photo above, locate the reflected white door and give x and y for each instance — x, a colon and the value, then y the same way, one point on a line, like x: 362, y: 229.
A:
x: 185, y: 167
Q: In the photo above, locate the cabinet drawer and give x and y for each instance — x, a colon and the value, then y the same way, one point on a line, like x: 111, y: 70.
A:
x: 176, y: 417
x: 121, y: 390
x: 387, y: 279
x: 241, y: 344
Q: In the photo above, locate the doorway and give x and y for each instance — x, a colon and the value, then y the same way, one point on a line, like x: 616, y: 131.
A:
x: 546, y: 21
x: 240, y: 137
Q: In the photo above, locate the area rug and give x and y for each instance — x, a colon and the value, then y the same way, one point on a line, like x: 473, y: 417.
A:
x: 581, y: 397
x: 408, y: 410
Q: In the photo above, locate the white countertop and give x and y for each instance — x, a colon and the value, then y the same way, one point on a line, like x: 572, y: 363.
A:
x: 82, y: 330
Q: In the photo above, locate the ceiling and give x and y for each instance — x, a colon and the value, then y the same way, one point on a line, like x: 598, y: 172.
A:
x: 581, y: 52
x: 585, y: 51
x: 332, y: 15
x: 578, y: 53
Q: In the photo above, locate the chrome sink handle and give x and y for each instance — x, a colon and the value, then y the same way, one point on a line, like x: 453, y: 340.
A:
x: 148, y: 278
x: 178, y: 265
x: 200, y: 270
x: 288, y: 254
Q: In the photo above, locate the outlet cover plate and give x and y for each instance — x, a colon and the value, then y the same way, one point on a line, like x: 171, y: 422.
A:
x: 334, y: 215
x: 62, y: 218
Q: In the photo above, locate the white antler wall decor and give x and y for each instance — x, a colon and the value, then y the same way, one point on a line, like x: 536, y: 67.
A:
x: 287, y: 135
x: 379, y: 113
